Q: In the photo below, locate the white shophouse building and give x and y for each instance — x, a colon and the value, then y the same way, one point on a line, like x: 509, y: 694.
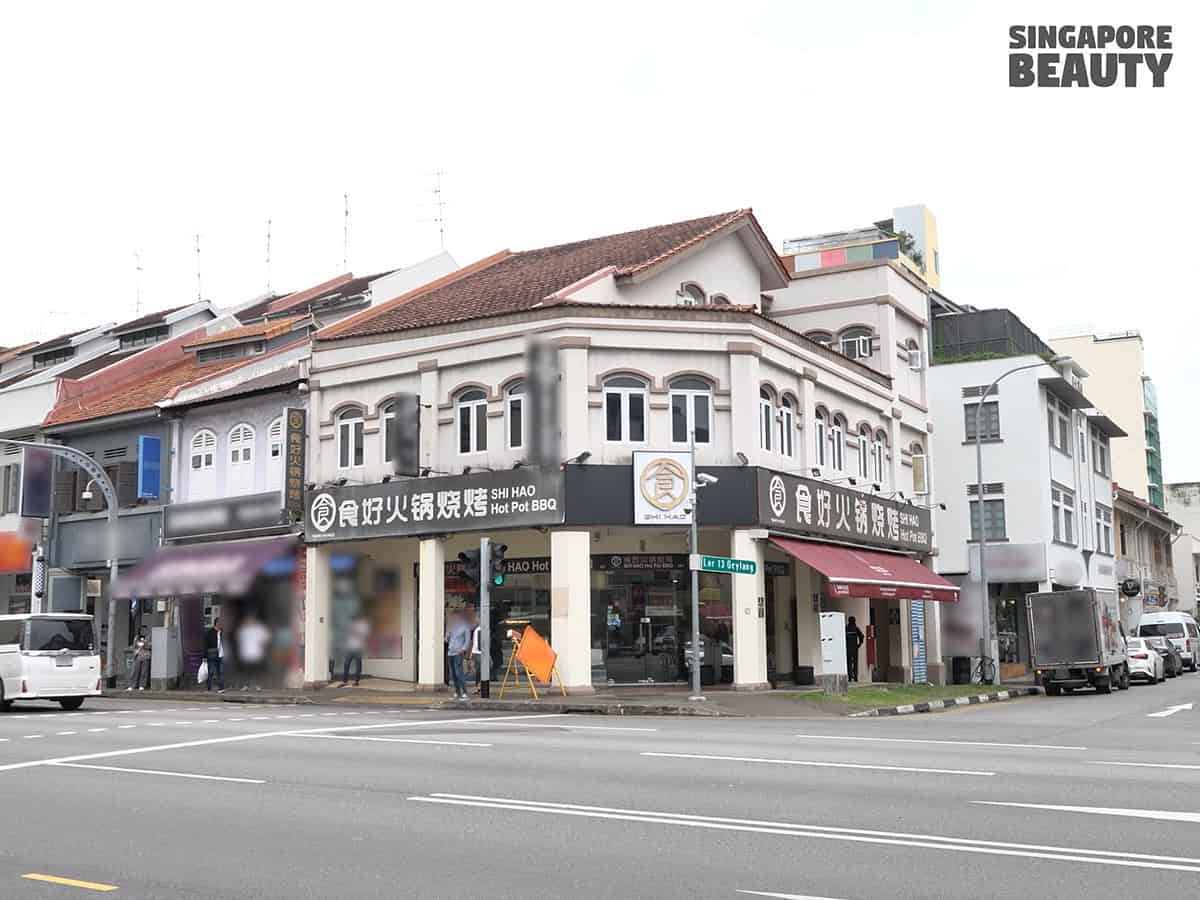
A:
x: 692, y: 327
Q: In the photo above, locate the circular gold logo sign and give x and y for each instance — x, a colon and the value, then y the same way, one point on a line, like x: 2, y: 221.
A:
x: 664, y: 483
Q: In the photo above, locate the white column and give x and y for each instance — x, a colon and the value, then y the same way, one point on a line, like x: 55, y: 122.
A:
x: 430, y: 385
x: 749, y: 627
x: 744, y: 385
x: 573, y: 414
x: 431, y: 600
x: 571, y: 608
x: 806, y: 458
x: 318, y: 590
x: 808, y: 621
x: 894, y: 437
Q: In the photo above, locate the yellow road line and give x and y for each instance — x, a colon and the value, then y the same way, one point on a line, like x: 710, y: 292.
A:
x: 70, y: 882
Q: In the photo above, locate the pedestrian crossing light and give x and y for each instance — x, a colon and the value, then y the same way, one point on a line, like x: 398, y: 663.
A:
x: 498, y: 567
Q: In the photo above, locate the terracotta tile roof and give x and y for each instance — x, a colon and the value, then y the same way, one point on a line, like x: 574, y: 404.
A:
x: 13, y: 352
x: 257, y: 310
x: 61, y: 341
x: 510, y: 282
x: 262, y: 330
x: 154, y: 318
x: 140, y: 394
x: 298, y: 297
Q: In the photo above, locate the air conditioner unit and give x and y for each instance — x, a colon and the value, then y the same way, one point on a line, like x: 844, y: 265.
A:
x: 915, y: 360
x: 94, y: 587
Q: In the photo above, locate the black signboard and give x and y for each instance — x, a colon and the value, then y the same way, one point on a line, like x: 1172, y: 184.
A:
x: 293, y: 463
x: 35, y: 483
x: 516, y: 498
x: 789, y: 503
x: 222, y: 518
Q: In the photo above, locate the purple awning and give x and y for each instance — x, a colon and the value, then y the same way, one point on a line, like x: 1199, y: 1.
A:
x: 223, y: 568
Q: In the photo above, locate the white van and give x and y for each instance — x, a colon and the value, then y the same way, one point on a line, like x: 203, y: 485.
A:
x: 1180, y: 627
x: 48, y: 656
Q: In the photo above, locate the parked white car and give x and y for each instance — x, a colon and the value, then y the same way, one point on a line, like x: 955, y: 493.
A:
x: 1144, y: 661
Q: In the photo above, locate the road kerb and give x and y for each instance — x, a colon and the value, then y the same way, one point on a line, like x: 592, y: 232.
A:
x: 926, y: 706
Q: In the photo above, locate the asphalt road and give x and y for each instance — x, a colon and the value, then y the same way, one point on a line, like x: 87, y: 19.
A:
x: 1083, y: 796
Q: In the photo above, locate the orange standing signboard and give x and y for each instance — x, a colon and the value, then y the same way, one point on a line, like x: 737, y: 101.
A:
x: 536, y: 655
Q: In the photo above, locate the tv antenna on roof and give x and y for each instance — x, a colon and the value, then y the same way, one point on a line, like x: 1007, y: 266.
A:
x: 345, y: 230
x: 198, y: 283
x: 268, y: 256
x: 137, y: 259
x: 440, y: 218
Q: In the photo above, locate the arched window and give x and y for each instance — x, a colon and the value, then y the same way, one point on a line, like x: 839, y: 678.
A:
x: 624, y: 409
x: 864, y: 451
x: 878, y: 452
x: 820, y: 425
x: 204, y: 447
x: 240, y: 475
x: 718, y: 300
x: 275, y: 448
x: 837, y: 444
x: 856, y: 343
x: 787, y: 425
x: 388, y: 411
x: 350, y: 438
x: 692, y: 294
x: 691, y: 410
x: 202, y: 480
x: 514, y: 416
x: 241, y: 444
x: 275, y: 438
x: 471, y: 415
x: 920, y: 471
x: 824, y: 338
x: 766, y: 417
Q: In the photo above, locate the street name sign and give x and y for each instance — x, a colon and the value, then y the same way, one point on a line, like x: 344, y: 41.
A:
x: 724, y: 564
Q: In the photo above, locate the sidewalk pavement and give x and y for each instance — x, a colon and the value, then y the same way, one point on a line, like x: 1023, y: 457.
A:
x: 625, y: 701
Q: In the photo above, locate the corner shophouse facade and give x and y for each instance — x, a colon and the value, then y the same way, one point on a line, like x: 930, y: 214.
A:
x: 652, y: 328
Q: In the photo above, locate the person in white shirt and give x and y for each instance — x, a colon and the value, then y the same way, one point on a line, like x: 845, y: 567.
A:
x: 356, y: 645
x: 252, y: 640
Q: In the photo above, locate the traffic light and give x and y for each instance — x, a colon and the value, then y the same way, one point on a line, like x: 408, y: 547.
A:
x: 470, y: 567
x: 498, y: 570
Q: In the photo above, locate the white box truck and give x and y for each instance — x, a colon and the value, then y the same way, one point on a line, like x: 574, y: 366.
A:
x: 1077, y: 640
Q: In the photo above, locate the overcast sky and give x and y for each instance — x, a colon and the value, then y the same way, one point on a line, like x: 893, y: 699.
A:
x: 130, y: 128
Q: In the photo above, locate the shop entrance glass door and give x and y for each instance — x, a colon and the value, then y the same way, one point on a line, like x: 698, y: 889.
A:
x: 644, y: 623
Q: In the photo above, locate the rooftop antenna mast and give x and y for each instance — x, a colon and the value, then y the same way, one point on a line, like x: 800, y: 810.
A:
x: 268, y: 256
x: 137, y: 258
x: 345, y: 230
x: 198, y: 283
x: 440, y: 218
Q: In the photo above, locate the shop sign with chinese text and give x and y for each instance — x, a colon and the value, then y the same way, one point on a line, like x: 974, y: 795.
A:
x: 518, y: 498
x: 790, y: 504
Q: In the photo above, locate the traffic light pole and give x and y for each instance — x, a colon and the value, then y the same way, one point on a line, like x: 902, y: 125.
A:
x: 485, y: 617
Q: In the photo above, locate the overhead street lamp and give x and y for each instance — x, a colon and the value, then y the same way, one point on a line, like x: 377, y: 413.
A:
x: 99, y: 478
x: 987, y: 675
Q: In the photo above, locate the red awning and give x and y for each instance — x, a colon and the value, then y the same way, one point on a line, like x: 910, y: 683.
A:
x: 869, y: 573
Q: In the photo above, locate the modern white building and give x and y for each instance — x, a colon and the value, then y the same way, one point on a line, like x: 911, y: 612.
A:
x: 1047, y: 502
x: 1183, y: 505
x: 696, y: 327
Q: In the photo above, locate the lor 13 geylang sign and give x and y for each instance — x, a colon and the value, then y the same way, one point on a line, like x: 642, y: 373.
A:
x: 806, y: 506
x: 518, y: 498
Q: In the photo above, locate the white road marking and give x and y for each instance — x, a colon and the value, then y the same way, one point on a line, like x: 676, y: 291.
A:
x: 819, y: 765
x: 237, y: 720
x: 882, y: 740
x: 259, y: 718
x: 1139, y: 765
x: 207, y: 721
x: 785, y: 896
x: 65, y: 733
x: 30, y: 737
x: 127, y: 726
x: 1169, y: 711
x: 255, y: 736
x: 183, y: 723
x: 1165, y: 815
x: 160, y: 772
x: 92, y: 730
x: 575, y: 727
x: 789, y: 829
x: 388, y: 740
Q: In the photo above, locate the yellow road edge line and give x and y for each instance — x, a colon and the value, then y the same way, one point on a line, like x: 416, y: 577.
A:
x: 70, y: 882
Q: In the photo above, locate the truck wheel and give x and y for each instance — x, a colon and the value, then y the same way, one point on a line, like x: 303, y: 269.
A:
x: 1104, y: 685
x: 71, y: 702
x: 1053, y: 690
x: 5, y: 705
x: 1123, y: 680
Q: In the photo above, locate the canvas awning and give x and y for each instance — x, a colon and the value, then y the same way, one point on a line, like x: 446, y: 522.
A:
x: 226, y: 568
x: 869, y: 573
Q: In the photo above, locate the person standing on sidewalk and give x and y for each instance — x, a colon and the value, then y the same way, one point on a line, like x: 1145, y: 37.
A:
x: 214, y: 653
x: 356, y: 644
x: 141, y: 665
x: 458, y: 645
x: 854, y: 640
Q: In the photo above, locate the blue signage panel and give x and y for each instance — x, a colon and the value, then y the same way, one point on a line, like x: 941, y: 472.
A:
x: 149, y: 481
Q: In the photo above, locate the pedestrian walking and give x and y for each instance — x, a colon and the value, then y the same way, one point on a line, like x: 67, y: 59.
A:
x: 854, y: 640
x: 253, y: 637
x: 214, y: 654
x: 356, y: 645
x: 141, y: 665
x: 458, y: 645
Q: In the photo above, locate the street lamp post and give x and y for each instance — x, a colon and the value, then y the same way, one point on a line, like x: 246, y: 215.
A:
x: 985, y: 596
x: 696, y: 485
x: 98, y: 477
